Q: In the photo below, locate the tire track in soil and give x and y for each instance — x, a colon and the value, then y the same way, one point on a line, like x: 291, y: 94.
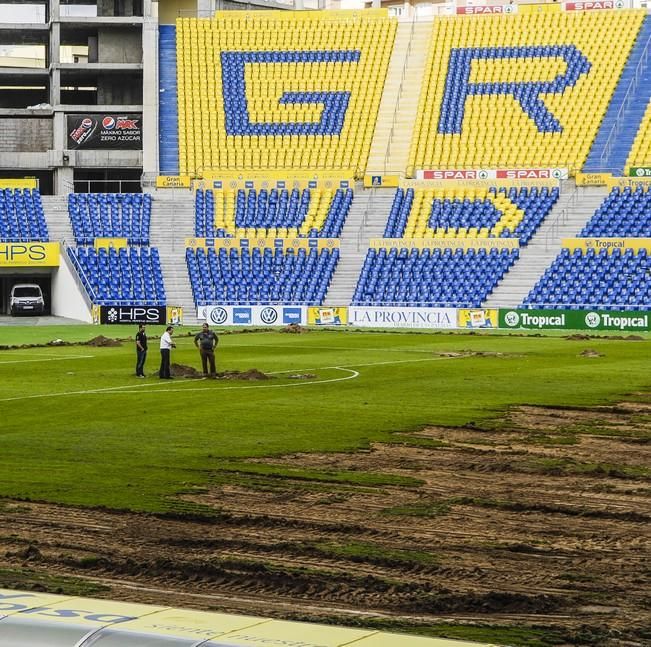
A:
x: 508, y: 546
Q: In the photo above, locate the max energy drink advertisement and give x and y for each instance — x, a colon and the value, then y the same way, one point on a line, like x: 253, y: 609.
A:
x: 105, y: 131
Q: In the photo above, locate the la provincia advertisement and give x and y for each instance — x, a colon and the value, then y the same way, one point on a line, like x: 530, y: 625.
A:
x: 402, y: 317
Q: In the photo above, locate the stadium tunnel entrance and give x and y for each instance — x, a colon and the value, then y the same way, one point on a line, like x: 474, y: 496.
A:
x: 13, y: 276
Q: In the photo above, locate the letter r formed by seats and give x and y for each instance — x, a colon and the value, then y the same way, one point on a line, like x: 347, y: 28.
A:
x: 527, y: 93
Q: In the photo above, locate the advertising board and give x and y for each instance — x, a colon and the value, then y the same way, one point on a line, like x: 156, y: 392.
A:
x: 98, y: 131
x: 402, y: 317
x: 253, y: 315
x: 574, y: 320
x: 120, y: 314
x: 34, y: 254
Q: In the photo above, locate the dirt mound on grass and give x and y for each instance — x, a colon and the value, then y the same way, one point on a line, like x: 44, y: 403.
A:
x: 181, y: 370
x: 589, y: 352
x: 103, y: 342
x: 294, y: 328
x: 252, y: 374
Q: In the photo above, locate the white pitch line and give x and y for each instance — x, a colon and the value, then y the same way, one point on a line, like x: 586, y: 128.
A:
x: 46, y: 359
x: 352, y: 376
x: 131, y: 388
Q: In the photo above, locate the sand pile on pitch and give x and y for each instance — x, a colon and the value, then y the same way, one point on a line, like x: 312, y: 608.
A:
x: 103, y: 342
x: 294, y: 328
x: 181, y: 370
x: 589, y: 352
x: 252, y: 374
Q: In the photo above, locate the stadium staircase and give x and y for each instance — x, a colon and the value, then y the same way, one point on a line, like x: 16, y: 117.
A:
x: 572, y: 211
x: 55, y: 208
x: 172, y: 222
x: 366, y: 219
x: 627, y: 106
x: 397, y: 113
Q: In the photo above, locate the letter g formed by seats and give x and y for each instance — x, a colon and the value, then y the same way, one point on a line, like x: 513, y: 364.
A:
x: 238, y: 121
x: 527, y: 93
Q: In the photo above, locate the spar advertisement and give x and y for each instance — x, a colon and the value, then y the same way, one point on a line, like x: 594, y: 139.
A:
x: 98, y: 131
x: 494, y: 174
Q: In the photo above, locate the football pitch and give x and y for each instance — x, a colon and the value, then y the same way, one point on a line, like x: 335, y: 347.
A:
x: 78, y: 428
x: 485, y: 486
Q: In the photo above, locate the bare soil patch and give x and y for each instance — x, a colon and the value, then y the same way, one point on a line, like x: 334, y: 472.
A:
x: 103, y: 342
x: 511, y: 526
x: 182, y: 370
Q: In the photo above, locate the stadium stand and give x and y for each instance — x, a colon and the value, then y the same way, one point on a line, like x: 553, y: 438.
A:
x: 434, y: 277
x: 511, y: 91
x: 128, y: 276
x: 470, y: 213
x: 617, y: 281
x: 625, y: 111
x: 110, y: 215
x: 623, y: 213
x: 271, y: 214
x: 640, y: 154
x: 258, y: 276
x: 21, y: 216
x: 607, y: 278
x: 453, y: 277
x: 168, y: 114
x: 299, y: 91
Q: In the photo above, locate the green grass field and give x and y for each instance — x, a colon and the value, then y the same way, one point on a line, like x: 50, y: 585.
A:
x: 78, y: 428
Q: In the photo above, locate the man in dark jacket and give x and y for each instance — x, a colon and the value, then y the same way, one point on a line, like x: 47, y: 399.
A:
x: 206, y: 341
x: 141, y: 350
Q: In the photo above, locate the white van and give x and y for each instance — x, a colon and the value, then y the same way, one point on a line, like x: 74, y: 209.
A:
x: 26, y: 298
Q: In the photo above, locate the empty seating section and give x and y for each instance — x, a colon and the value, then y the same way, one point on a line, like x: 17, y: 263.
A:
x: 120, y: 277
x: 470, y: 213
x: 110, y: 215
x: 21, y: 216
x: 616, y: 280
x: 513, y: 91
x: 640, y: 154
x: 623, y: 213
x: 271, y: 213
x: 431, y: 277
x: 273, y: 90
x: 260, y: 276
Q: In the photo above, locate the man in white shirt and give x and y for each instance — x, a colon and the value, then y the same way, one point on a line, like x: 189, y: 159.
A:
x: 166, y: 345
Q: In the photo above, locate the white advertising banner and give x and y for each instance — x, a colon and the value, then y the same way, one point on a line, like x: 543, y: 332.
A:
x: 402, y: 317
x: 277, y: 315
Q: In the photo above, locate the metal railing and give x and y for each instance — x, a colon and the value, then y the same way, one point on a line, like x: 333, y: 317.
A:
x: 628, y: 98
x: 81, y: 278
x: 551, y: 238
x: 387, y: 153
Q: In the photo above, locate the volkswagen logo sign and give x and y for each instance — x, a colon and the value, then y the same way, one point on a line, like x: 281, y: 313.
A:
x: 268, y: 315
x: 218, y: 315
